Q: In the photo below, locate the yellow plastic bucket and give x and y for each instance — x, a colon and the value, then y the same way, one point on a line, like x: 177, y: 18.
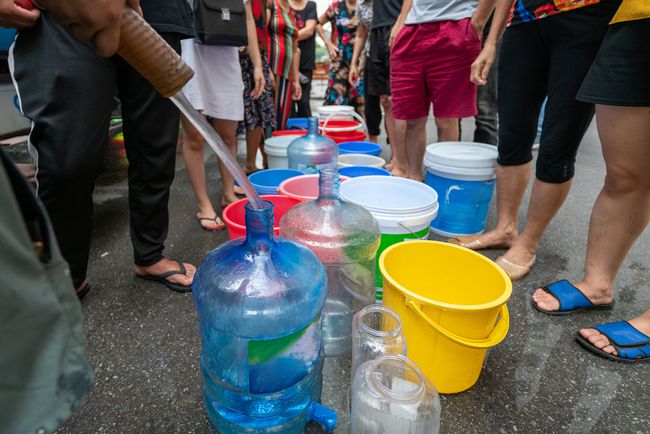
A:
x: 452, y: 302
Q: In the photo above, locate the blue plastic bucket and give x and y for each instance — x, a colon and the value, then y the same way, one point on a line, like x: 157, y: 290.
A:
x: 268, y: 181
x: 367, y: 148
x: 297, y: 124
x: 356, y: 171
x: 463, y: 174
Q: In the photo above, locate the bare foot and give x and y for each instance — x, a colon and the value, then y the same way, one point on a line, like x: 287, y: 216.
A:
x: 227, y: 200
x: 495, y: 239
x: 641, y: 323
x: 546, y: 301
x: 238, y: 190
x: 398, y: 172
x: 165, y: 265
x: 417, y: 178
x: 390, y: 165
x: 250, y: 169
x: 210, y: 222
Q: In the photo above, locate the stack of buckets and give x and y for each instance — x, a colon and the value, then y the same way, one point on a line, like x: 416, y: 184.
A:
x: 451, y: 300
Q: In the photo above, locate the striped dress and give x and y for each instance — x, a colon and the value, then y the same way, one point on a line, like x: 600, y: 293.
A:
x: 283, y: 31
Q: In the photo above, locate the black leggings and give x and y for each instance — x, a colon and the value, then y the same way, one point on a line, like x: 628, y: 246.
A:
x: 550, y: 57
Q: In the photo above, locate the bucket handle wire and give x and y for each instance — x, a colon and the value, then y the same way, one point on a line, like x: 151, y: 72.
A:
x: 417, y: 237
x: 496, y: 336
x: 354, y: 115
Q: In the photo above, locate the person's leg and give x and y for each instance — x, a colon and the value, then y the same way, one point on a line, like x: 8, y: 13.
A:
x: 151, y: 132
x: 302, y: 108
x: 195, y: 166
x: 415, y: 140
x: 227, y: 129
x: 283, y: 92
x: 253, y: 142
x: 486, y: 119
x: 67, y: 92
x: 395, y: 137
x: 621, y: 211
x: 372, y: 111
x: 448, y: 129
x: 572, y: 52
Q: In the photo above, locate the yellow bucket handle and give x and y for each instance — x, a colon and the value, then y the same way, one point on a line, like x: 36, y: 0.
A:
x: 498, y: 334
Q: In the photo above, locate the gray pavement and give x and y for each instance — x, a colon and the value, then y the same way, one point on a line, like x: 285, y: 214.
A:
x: 144, y: 344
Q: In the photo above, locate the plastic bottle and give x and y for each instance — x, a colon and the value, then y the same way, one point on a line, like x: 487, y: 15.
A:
x: 259, y: 301
x: 312, y: 151
x: 345, y: 237
x: 390, y: 395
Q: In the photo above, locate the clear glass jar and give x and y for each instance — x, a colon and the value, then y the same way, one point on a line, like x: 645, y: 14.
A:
x: 345, y: 237
x: 390, y: 395
x: 376, y: 331
x: 312, y: 151
x: 259, y: 301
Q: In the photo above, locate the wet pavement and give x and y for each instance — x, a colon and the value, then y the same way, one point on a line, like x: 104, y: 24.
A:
x: 143, y: 340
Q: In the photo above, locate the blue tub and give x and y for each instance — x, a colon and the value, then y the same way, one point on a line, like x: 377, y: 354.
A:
x: 356, y: 171
x: 268, y: 181
x: 366, y: 148
x: 464, y: 175
x: 297, y: 124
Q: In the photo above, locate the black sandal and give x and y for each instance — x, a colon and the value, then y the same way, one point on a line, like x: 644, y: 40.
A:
x: 214, y: 219
x: 162, y: 278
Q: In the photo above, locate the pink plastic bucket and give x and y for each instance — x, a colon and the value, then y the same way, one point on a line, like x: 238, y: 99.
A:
x: 234, y: 214
x: 346, y: 136
x: 302, y: 188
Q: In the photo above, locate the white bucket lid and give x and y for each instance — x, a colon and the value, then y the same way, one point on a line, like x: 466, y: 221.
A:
x: 466, y: 155
x: 393, y: 201
x: 277, y: 146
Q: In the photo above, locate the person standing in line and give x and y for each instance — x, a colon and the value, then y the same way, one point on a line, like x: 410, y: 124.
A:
x: 546, y: 51
x: 377, y: 73
x: 342, y: 16
x: 68, y: 92
x: 259, y: 113
x: 487, y: 120
x: 217, y: 91
x: 306, y: 18
x: 284, y: 55
x: 619, y: 84
x: 433, y: 46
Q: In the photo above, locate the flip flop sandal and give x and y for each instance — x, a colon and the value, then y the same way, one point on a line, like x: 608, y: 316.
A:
x: 631, y: 345
x: 571, y: 300
x: 515, y: 271
x: 474, y: 244
x: 214, y: 219
x: 82, y: 291
x: 239, y: 191
x: 162, y: 278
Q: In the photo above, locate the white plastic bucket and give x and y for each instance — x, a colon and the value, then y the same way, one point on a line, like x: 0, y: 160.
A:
x: 346, y: 160
x: 464, y: 175
x: 276, y: 151
x: 403, y: 208
x: 335, y: 112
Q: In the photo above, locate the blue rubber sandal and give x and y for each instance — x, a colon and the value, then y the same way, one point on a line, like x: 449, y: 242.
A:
x: 631, y: 345
x: 571, y: 299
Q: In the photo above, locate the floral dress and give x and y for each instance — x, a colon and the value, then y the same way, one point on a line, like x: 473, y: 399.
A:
x: 339, y: 91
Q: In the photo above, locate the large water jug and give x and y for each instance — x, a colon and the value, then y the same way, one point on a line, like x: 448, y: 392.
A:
x: 312, y: 151
x: 259, y: 301
x: 345, y: 237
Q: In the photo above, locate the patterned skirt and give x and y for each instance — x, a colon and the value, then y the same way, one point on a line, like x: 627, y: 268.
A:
x: 259, y: 113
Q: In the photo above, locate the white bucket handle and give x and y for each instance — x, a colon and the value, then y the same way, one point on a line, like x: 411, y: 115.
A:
x: 354, y: 115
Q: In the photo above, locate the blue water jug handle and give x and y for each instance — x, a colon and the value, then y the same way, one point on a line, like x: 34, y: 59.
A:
x: 324, y: 416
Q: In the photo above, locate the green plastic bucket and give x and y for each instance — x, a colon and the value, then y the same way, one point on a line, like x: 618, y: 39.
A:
x: 403, y: 208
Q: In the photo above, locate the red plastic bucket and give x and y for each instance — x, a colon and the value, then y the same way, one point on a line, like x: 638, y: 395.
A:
x: 302, y: 188
x: 235, y: 218
x: 339, y: 125
x: 346, y: 136
x: 279, y: 133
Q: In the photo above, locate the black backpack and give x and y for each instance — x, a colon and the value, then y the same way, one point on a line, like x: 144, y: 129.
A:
x: 220, y: 22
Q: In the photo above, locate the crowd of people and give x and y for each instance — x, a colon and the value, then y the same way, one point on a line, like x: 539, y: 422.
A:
x: 402, y: 58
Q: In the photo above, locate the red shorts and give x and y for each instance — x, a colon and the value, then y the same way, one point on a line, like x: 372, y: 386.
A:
x: 431, y: 63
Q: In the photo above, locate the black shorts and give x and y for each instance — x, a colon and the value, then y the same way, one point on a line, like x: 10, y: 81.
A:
x: 621, y: 73
x: 548, y: 57
x: 378, y: 63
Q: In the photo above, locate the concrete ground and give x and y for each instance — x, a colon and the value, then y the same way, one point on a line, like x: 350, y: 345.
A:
x: 143, y: 340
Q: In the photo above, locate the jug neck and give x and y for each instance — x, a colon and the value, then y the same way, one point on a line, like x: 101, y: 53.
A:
x: 312, y: 128
x: 329, y: 181
x: 259, y: 226
x: 386, y: 369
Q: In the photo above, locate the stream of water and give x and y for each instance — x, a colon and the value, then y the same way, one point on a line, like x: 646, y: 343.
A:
x: 218, y: 146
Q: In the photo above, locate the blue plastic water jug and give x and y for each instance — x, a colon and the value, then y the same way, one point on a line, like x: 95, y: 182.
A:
x: 312, y: 151
x: 259, y: 301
